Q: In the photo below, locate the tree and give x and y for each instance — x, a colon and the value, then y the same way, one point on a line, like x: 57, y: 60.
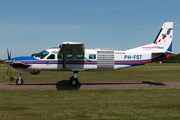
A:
x: 174, y: 59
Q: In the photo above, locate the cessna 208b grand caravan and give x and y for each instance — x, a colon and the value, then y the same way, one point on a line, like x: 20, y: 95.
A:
x: 72, y: 56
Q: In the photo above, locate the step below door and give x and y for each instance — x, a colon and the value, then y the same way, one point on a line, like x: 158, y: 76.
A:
x: 105, y: 60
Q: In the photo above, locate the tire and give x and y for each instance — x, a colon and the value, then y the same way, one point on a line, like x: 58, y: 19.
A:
x: 19, y: 82
x: 74, y: 81
x: 72, y: 77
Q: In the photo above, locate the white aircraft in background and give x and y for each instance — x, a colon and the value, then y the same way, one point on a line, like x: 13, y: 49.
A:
x: 72, y: 56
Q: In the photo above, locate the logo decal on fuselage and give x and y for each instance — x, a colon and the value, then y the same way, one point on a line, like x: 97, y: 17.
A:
x: 160, y: 40
x: 154, y: 47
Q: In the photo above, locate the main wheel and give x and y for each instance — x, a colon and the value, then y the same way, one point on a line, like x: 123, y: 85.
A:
x: 74, y: 81
x: 19, y: 82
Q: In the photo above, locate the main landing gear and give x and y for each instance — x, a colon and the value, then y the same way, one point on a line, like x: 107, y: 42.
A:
x: 74, y: 80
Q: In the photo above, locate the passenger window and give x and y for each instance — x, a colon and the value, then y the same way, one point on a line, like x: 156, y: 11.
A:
x: 52, y: 56
x: 69, y: 56
x: 60, y: 56
x: 80, y: 56
x: 92, y: 56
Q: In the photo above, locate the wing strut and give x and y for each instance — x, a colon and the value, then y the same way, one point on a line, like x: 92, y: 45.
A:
x: 64, y: 60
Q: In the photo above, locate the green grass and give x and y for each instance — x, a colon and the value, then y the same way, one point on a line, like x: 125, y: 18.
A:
x: 131, y: 104
x: 3, y: 65
x: 128, y: 74
x: 105, y: 104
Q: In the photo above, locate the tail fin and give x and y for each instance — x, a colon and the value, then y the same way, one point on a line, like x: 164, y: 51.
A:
x: 163, y: 41
x: 165, y: 36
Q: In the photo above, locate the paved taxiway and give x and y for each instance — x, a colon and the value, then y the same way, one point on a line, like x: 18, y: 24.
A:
x: 64, y: 85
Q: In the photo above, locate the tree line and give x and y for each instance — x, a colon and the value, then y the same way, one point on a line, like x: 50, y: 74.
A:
x: 174, y: 59
x: 1, y: 61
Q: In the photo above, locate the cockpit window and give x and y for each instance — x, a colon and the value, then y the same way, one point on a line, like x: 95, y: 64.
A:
x: 42, y: 54
x: 52, y: 56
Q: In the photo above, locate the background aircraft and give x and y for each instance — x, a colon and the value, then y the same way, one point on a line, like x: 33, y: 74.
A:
x: 72, y: 56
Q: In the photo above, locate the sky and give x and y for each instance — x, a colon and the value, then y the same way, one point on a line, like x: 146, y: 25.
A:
x: 31, y: 26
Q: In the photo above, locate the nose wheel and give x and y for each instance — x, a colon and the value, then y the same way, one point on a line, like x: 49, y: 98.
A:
x: 74, y: 80
x: 19, y: 81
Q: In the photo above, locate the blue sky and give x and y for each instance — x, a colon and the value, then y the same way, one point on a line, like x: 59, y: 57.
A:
x: 30, y: 26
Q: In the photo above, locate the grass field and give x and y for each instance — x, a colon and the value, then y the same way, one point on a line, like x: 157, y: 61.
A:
x: 105, y: 104
x: 131, y: 104
x: 144, y: 73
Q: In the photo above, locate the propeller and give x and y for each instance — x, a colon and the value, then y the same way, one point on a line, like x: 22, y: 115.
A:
x: 9, y: 54
x: 9, y: 64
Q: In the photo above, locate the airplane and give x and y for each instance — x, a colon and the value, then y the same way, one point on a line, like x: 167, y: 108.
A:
x: 72, y: 56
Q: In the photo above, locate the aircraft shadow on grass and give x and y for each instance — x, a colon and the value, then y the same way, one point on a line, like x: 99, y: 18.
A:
x: 115, y: 83
x: 61, y: 85
x: 64, y: 84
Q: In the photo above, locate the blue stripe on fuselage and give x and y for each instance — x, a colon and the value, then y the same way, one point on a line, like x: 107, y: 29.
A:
x: 26, y: 58
x: 33, y: 60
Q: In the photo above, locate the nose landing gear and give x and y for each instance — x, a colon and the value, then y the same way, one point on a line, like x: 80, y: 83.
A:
x: 19, y: 81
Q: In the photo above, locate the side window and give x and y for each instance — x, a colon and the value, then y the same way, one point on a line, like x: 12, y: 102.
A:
x: 92, y: 56
x: 52, y: 56
x: 60, y: 56
x: 80, y: 56
x: 69, y: 56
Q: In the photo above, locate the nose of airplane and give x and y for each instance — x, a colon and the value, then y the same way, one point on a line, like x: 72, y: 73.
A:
x: 7, y: 61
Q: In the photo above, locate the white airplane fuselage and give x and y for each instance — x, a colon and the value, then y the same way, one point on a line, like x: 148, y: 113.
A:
x: 93, y: 59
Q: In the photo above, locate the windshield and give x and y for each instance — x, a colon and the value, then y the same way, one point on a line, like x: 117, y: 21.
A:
x: 42, y: 54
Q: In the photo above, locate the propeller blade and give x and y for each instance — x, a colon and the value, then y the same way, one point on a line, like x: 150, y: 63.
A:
x: 9, y: 58
x: 9, y: 55
x: 8, y: 69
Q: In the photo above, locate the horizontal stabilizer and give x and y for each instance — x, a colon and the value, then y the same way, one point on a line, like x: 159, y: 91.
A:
x: 167, y: 52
